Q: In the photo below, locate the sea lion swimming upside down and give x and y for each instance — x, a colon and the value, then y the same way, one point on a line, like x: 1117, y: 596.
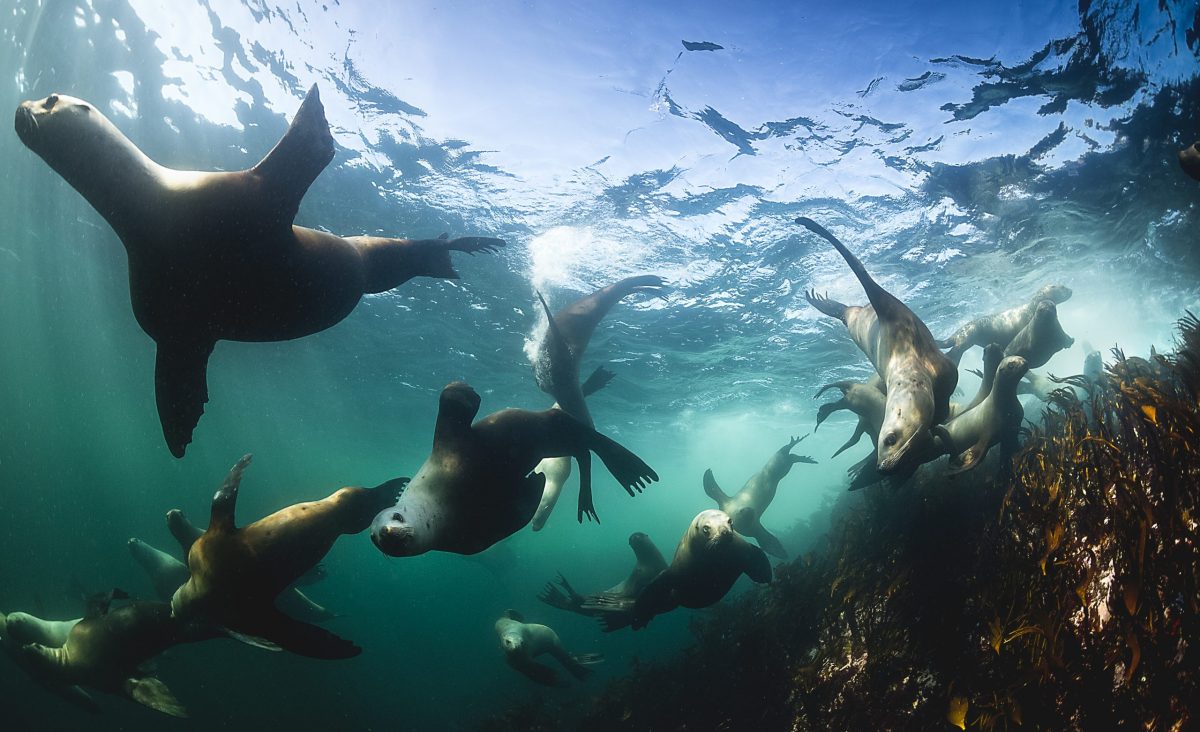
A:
x: 214, y: 255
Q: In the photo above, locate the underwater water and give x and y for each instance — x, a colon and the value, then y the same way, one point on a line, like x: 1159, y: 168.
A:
x: 968, y: 157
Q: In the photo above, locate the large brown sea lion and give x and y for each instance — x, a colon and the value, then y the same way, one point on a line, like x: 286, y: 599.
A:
x: 214, y: 256
x: 556, y: 369
x: 477, y: 486
x: 237, y: 573
x: 746, y: 507
x: 919, y: 377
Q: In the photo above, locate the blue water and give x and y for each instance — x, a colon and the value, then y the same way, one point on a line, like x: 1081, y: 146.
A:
x: 968, y: 157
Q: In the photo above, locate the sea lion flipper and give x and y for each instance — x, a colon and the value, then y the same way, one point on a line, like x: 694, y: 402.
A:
x: 309, y: 640
x: 539, y: 672
x: 712, y: 490
x: 859, y: 431
x: 181, y: 390
x: 755, y: 563
x: 630, y: 470
x: 78, y: 696
x: 298, y: 158
x: 585, y: 506
x: 885, y: 304
x: 183, y: 530
x: 597, y: 381
x: 153, y: 693
x: 770, y: 543
x: 224, y: 501
x: 824, y: 304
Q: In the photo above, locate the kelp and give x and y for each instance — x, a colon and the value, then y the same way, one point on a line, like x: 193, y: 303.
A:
x: 1058, y: 590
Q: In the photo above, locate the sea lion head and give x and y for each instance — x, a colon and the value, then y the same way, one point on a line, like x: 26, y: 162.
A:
x: 21, y: 628
x: 638, y: 540
x: 401, y: 531
x: 712, y: 528
x: 904, y: 429
x: 56, y: 125
x: 1093, y: 366
x: 1010, y: 371
x: 1045, y: 319
x: 459, y: 400
x: 1054, y: 293
x: 1189, y: 160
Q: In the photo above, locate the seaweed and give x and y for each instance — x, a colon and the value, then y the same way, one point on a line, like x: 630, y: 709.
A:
x: 1059, y: 589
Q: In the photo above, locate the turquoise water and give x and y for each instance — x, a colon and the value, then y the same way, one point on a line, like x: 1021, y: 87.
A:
x: 967, y: 157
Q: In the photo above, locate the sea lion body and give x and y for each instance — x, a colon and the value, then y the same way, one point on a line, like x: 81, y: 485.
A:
x: 477, y: 486
x: 995, y: 420
x: 523, y: 642
x: 1189, y: 160
x: 746, y: 507
x: 1041, y: 338
x: 919, y: 377
x: 867, y: 401
x: 649, y: 564
x: 215, y: 255
x: 238, y: 573
x: 1002, y: 327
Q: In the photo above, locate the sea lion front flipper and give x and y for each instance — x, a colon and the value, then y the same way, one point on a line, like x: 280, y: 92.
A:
x: 153, y: 693
x: 539, y: 672
x: 181, y: 390
x: 297, y: 159
x: 224, y: 501
x: 825, y: 410
x: 970, y: 457
x: 597, y: 381
x: 630, y: 470
x: 712, y: 490
x: 305, y: 639
x: 302, y: 607
x: 755, y: 563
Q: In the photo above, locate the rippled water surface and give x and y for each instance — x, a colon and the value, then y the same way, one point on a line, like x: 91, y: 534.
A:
x: 967, y: 156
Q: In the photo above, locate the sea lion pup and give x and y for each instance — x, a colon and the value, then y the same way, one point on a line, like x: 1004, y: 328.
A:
x: 214, y: 256
x: 1041, y: 338
x: 558, y: 469
x: 1189, y: 160
x: 649, y: 563
x: 1002, y: 327
x: 477, y: 487
x: 865, y: 400
x: 746, y: 508
x: 919, y: 377
x: 560, y: 353
x: 291, y: 601
x: 522, y: 642
x: 108, y: 650
x: 237, y: 573
x: 709, y: 559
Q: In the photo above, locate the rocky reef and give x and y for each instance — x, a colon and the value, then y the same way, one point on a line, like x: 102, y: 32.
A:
x: 1056, y: 590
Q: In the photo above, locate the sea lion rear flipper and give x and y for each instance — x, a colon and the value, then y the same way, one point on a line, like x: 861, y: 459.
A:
x: 585, y: 506
x: 539, y: 672
x: 297, y: 159
x: 832, y: 308
x: 886, y: 305
x: 578, y: 320
x: 181, y: 390
x: 630, y: 470
x: 770, y: 543
x: 825, y: 410
x: 612, y: 612
x: 712, y: 490
x: 597, y: 381
x: 577, y: 666
x: 224, y: 501
x: 305, y: 639
x: 153, y: 693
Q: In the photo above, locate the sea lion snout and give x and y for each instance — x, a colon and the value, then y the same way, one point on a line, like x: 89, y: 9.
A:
x: 25, y: 124
x: 394, y: 537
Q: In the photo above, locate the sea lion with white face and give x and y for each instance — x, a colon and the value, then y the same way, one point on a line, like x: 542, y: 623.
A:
x: 918, y: 376
x: 108, y: 650
x: 746, y: 507
x: 1041, y: 338
x: 477, y: 486
x: 237, y: 573
x: 522, y: 642
x: 1189, y: 160
x: 214, y: 256
x: 1002, y: 327
x: 649, y: 563
x: 709, y: 559
x: 559, y: 356
x: 865, y: 400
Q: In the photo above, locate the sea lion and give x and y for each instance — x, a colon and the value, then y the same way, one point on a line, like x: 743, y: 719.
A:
x: 993, y: 354
x: 237, y: 573
x: 1189, y: 160
x: 1041, y: 338
x: 649, y: 563
x: 166, y: 573
x: 522, y: 642
x: 1002, y: 327
x: 21, y: 628
x: 709, y: 559
x: 865, y: 400
x: 558, y: 469
x: 477, y: 487
x: 746, y: 508
x: 1043, y: 386
x: 214, y: 256
x: 109, y: 651
x: 560, y: 353
x: 919, y: 377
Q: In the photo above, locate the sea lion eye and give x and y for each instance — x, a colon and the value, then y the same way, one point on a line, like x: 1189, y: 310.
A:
x: 707, y: 530
x: 397, y: 517
x: 890, y: 439
x: 51, y: 101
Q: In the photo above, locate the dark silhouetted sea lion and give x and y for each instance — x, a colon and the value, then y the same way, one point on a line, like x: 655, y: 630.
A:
x: 1000, y: 328
x: 560, y: 353
x: 649, y: 563
x: 865, y: 400
x: 1189, y: 160
x: 1041, y: 338
x: 108, y: 650
x: 237, y: 573
x: 522, y: 642
x: 919, y: 377
x: 746, y: 508
x: 709, y: 559
x: 477, y: 486
x: 214, y: 256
